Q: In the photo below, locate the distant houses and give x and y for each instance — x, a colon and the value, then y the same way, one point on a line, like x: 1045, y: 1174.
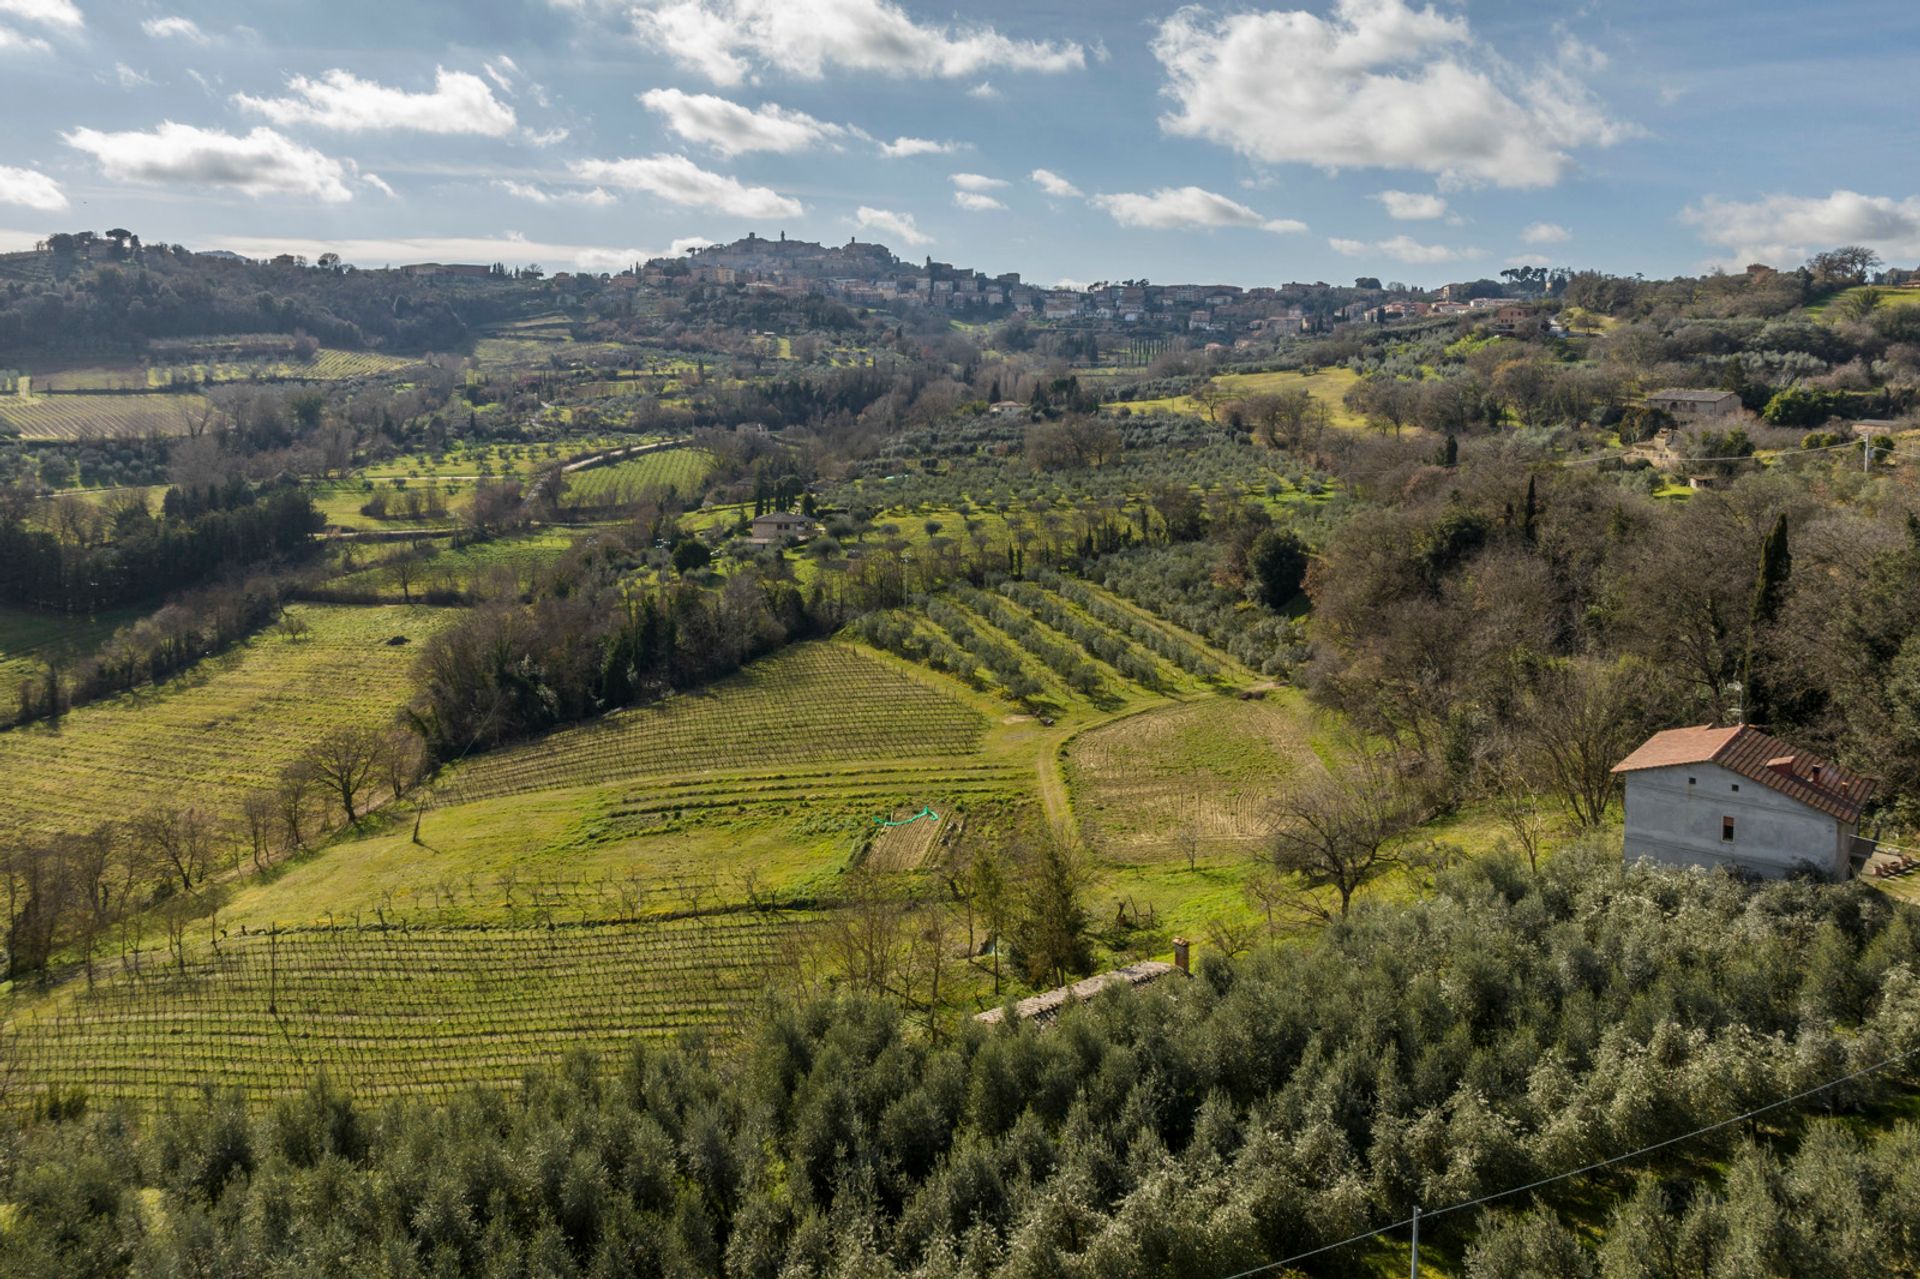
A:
x: 1736, y: 797
x: 1695, y: 406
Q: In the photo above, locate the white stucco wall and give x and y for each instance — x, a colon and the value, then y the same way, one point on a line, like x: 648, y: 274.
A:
x: 1677, y: 824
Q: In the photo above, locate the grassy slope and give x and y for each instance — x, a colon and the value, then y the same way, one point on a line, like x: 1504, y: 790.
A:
x: 232, y: 721
x: 1328, y: 386
x: 29, y: 639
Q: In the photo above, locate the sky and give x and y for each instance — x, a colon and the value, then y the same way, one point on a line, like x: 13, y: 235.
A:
x: 1072, y: 142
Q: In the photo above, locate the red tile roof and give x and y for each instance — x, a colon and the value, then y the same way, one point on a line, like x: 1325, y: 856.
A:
x: 1838, y: 792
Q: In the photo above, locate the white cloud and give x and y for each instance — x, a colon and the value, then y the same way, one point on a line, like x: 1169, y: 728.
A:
x: 731, y: 129
x: 902, y: 147
x: 459, y: 103
x: 379, y: 184
x: 1172, y: 208
x: 1376, y: 84
x: 1055, y: 185
x: 974, y: 202
x: 128, y: 78
x: 977, y: 182
x: 983, y: 90
x: 12, y: 41
x: 687, y: 244
x: 1545, y: 233
x: 678, y: 180
x: 725, y: 40
x: 511, y: 249
x: 547, y: 137
x: 31, y: 189
x: 1783, y: 229
x: 52, y: 13
x: 900, y: 226
x: 1403, y: 248
x: 175, y: 28
x: 262, y: 163
x: 596, y: 197
x: 1412, y: 206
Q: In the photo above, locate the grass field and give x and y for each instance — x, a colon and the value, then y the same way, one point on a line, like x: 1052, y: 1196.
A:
x: 384, y: 1012
x: 502, y: 566
x: 327, y: 365
x: 682, y: 470
x: 98, y: 417
x: 231, y: 722
x: 1328, y: 386
x: 1200, y: 773
x: 30, y: 639
x: 1842, y: 304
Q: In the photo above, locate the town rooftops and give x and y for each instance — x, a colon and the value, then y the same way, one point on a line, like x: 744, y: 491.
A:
x: 1043, y: 1008
x: 1838, y: 792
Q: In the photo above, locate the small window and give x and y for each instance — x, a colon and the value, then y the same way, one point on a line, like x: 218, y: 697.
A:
x: 1691, y: 780
x: 1726, y: 830
x: 1736, y: 788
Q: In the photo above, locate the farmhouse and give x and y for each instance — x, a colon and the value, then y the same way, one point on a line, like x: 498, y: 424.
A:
x: 1045, y: 1008
x: 1695, y: 405
x: 1736, y: 797
x: 776, y: 527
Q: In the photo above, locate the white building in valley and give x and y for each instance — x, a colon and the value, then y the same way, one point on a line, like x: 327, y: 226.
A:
x: 1735, y: 796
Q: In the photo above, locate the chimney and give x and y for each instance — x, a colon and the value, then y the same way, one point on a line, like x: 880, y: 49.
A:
x: 1781, y: 764
x: 1180, y: 954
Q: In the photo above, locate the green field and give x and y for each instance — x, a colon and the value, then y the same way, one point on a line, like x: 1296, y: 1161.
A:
x: 30, y: 639
x: 503, y: 565
x: 681, y: 470
x: 415, y: 1012
x: 99, y: 417
x: 1329, y: 386
x: 231, y: 722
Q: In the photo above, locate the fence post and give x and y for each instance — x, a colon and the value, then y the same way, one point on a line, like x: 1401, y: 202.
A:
x: 1416, y: 1241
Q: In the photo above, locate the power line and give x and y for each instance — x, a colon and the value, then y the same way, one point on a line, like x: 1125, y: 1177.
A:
x: 1582, y: 1171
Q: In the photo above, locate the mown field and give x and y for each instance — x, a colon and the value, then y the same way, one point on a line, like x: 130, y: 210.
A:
x: 327, y: 365
x: 682, y: 470
x: 99, y: 417
x: 383, y: 1012
x: 231, y: 722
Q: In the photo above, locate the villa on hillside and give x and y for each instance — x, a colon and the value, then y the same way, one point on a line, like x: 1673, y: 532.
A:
x: 775, y: 528
x: 1736, y: 797
x: 1695, y: 406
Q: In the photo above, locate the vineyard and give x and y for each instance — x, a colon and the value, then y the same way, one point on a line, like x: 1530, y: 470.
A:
x: 808, y: 704
x: 1046, y: 647
x: 233, y: 721
x: 385, y: 1012
x: 100, y: 417
x: 681, y: 470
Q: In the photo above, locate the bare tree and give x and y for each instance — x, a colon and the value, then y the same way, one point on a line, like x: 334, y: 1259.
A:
x: 292, y: 798
x: 1580, y: 718
x: 177, y: 841
x: 1342, y: 831
x: 346, y: 761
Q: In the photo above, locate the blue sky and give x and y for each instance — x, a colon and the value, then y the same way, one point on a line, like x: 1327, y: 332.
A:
x: 1317, y: 139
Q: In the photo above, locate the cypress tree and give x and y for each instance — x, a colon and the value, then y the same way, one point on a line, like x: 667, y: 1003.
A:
x: 1776, y: 562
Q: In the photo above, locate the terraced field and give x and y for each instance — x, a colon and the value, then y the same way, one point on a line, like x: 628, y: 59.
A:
x: 1328, y: 386
x: 99, y: 417
x: 233, y: 721
x: 810, y: 704
x: 417, y: 1012
x: 682, y: 470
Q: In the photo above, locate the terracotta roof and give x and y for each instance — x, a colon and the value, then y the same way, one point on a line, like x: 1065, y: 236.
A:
x: 1838, y: 792
x: 1043, y: 1008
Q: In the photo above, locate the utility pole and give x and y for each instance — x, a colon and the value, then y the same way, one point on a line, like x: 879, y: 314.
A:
x: 1416, y: 1241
